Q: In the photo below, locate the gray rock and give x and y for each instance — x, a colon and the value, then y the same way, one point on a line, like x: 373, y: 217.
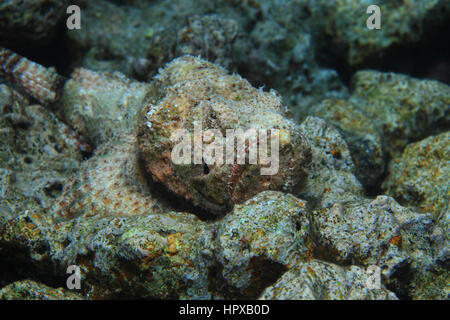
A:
x: 318, y: 280
x: 38, y: 152
x: 419, y: 177
x: 260, y: 239
x: 332, y: 174
x: 32, y: 290
x: 30, y: 23
x: 384, y: 113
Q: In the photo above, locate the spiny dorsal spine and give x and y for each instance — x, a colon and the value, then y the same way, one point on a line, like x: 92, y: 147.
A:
x: 43, y: 84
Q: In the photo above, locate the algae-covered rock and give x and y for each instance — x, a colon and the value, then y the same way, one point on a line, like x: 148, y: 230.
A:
x: 114, y: 31
x: 148, y: 256
x: 432, y: 282
x: 402, y: 108
x: 366, y: 232
x: 30, y: 23
x: 378, y: 232
x: 401, y: 23
x: 32, y: 290
x: 38, y: 152
x: 175, y: 255
x: 210, y: 37
x: 319, y: 280
x: 260, y: 239
x: 279, y: 38
x: 282, y: 41
x: 361, y: 136
x: 419, y: 177
x: 168, y: 254
x: 198, y: 100
x: 332, y: 174
x: 441, y: 239
x: 133, y: 39
x: 385, y: 112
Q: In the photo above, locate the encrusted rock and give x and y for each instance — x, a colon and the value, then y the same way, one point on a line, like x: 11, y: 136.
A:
x: 38, y: 152
x: 30, y: 23
x: 161, y: 256
x: 32, y: 290
x: 318, y: 280
x: 380, y: 233
x: 401, y: 23
x: 361, y: 136
x: 332, y: 176
x: 385, y: 112
x: 432, y: 282
x: 115, y: 32
x: 260, y: 239
x: 420, y: 176
x: 402, y: 108
x: 210, y: 37
x: 191, y: 93
x: 133, y: 39
x: 367, y: 232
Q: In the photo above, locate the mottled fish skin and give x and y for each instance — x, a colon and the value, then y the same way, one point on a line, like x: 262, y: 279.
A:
x: 41, y: 83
